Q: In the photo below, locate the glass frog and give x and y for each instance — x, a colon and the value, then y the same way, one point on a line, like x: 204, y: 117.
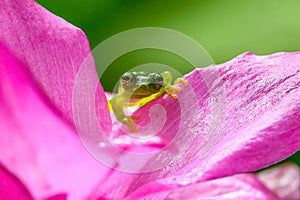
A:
x: 139, y: 88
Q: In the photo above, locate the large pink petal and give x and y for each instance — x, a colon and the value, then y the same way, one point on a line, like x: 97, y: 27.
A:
x: 284, y: 180
x: 261, y: 111
x: 52, y: 49
x: 36, y: 145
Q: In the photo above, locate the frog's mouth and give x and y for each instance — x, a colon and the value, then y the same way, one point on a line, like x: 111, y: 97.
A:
x: 145, y: 91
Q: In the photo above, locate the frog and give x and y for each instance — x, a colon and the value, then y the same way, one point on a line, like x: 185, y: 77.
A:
x: 138, y: 89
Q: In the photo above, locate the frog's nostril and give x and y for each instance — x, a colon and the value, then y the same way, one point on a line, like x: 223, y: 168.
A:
x: 158, y: 86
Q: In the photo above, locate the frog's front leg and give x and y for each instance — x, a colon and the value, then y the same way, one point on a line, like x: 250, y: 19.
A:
x: 118, y: 103
x: 168, y: 88
x: 171, y: 88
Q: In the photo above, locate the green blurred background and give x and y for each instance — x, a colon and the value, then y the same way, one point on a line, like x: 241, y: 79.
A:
x: 224, y: 28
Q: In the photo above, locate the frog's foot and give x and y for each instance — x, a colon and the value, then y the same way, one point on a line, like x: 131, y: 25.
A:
x: 181, y: 80
x: 171, y: 88
x: 170, y: 91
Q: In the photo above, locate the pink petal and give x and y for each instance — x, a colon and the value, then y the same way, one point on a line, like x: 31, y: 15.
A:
x: 260, y: 111
x: 58, y: 197
x: 52, y: 49
x: 284, y: 180
x: 11, y: 187
x: 36, y: 145
x: 244, y: 186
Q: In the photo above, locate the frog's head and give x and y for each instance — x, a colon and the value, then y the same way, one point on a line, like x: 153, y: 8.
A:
x: 141, y: 84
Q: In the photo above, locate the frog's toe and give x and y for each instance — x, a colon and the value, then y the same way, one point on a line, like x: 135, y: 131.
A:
x: 175, y: 96
x: 135, y: 117
x: 181, y: 80
x: 170, y: 90
x: 177, y: 89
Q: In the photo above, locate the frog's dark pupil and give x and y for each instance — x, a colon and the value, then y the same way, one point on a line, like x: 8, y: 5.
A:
x: 159, y: 79
x: 125, y: 78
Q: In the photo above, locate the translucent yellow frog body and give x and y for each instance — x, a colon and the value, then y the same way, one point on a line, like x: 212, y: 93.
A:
x: 139, y: 88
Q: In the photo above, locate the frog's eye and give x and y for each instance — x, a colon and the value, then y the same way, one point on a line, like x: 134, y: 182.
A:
x: 127, y: 80
x: 158, y: 78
